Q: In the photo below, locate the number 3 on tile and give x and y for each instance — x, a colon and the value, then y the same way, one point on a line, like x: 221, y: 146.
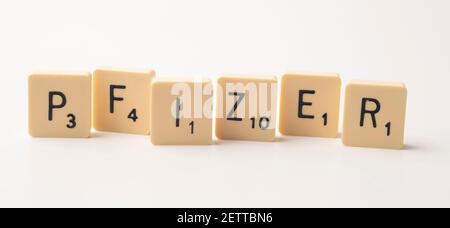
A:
x: 72, y: 124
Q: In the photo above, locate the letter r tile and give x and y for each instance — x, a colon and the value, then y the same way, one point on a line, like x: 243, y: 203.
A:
x: 374, y: 115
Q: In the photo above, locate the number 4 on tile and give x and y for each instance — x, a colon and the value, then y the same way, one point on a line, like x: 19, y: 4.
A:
x: 133, y: 115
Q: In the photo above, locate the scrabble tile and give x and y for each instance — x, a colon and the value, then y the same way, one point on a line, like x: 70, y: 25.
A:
x: 181, y: 112
x: 59, y: 105
x: 246, y: 108
x: 309, y: 104
x: 122, y: 100
x: 374, y: 115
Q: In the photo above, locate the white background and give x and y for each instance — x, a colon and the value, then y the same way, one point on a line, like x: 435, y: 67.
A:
x: 382, y: 40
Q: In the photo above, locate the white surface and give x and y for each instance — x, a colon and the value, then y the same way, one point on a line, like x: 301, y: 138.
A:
x: 383, y: 40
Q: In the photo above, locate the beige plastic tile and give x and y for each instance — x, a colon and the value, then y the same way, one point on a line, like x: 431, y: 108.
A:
x: 122, y: 100
x: 374, y: 115
x: 246, y: 108
x: 309, y: 104
x: 59, y: 105
x: 181, y: 112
